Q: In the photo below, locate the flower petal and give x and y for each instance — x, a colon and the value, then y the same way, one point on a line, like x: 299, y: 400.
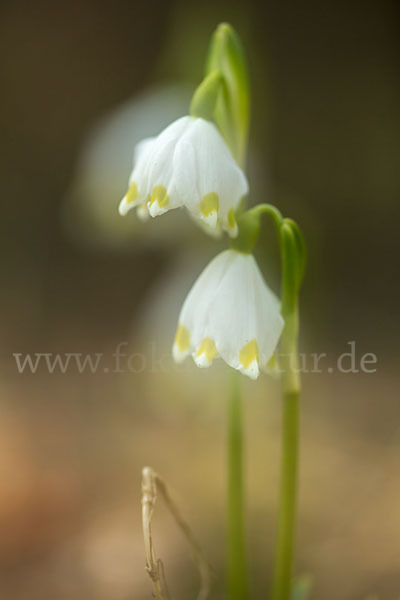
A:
x: 181, y: 347
x: 213, y: 172
x: 206, y: 353
x: 137, y: 181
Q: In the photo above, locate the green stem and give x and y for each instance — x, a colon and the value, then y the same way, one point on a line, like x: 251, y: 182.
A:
x: 236, y: 568
x: 282, y: 585
x: 293, y: 252
x: 288, y: 489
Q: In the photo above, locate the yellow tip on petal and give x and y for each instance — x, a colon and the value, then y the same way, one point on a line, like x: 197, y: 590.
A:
x: 159, y: 195
x: 248, y: 354
x: 132, y: 194
x: 232, y: 224
x: 182, y: 338
x: 209, y: 204
x: 272, y: 364
x: 232, y: 218
x: 206, y: 352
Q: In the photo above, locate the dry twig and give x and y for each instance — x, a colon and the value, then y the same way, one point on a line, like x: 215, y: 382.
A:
x: 151, y: 483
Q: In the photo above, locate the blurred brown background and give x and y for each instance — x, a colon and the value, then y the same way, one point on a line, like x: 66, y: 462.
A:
x: 325, y: 148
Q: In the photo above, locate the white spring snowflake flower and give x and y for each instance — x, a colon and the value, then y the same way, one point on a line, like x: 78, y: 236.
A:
x: 230, y: 312
x: 187, y: 164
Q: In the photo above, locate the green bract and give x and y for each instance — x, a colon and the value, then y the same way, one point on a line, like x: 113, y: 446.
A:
x: 205, y: 97
x: 232, y: 107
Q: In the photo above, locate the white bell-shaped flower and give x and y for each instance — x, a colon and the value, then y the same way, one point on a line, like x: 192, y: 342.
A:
x: 230, y: 312
x: 187, y: 164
